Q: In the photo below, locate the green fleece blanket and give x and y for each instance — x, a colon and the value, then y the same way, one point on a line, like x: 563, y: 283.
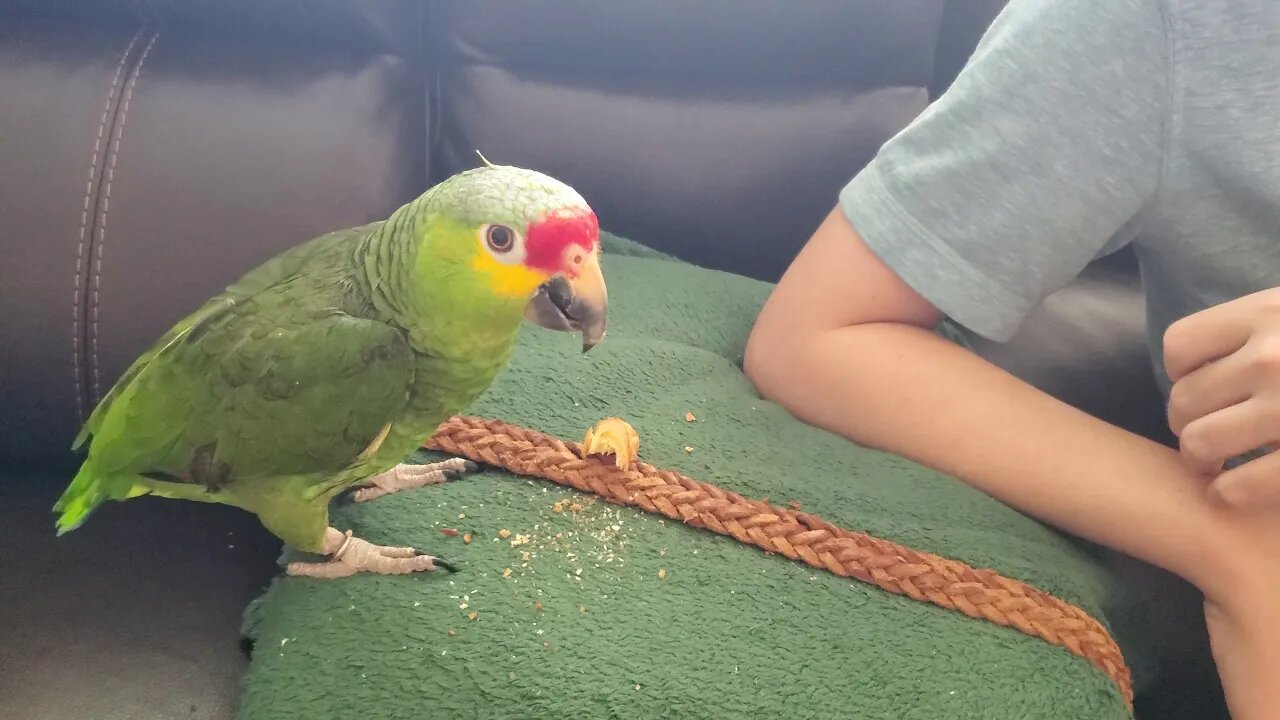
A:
x: 591, y: 610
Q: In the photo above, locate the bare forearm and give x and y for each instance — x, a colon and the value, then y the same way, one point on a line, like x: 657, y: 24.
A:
x: 904, y: 390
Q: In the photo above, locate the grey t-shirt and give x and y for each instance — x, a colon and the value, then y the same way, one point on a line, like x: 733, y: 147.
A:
x: 1080, y: 126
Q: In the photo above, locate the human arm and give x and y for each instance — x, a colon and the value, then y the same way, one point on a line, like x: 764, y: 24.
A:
x: 854, y: 352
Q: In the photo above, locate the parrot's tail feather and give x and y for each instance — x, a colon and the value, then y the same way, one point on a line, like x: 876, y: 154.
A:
x: 89, y: 489
x: 79, y: 499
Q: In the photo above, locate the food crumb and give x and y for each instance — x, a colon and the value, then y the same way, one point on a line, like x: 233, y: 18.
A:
x: 449, y: 532
x: 558, y: 507
x: 461, y: 515
x: 520, y: 540
x: 504, y: 533
x: 582, y: 609
x: 662, y: 573
x: 793, y: 504
x: 576, y: 507
x: 688, y: 417
x: 506, y: 572
x: 688, y: 448
x: 546, y: 644
x: 467, y: 538
x: 472, y: 615
x: 453, y: 633
x: 537, y: 607
x: 463, y: 606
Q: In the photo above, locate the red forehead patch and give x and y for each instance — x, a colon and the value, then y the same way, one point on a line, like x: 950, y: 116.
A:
x: 548, y: 238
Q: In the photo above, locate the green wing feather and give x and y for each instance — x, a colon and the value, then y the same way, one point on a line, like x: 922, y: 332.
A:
x: 274, y: 376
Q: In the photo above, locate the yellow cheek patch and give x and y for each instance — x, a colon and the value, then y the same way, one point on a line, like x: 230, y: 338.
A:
x: 516, y: 281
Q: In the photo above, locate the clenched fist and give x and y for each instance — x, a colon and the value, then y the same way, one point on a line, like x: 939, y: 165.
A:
x: 1225, y: 400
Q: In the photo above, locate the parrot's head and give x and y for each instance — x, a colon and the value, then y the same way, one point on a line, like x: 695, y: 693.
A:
x: 523, y: 245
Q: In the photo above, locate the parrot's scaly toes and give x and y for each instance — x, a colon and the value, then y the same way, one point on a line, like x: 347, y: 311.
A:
x: 406, y: 476
x: 353, y: 555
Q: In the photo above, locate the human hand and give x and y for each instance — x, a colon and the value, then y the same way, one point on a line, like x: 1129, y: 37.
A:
x: 1225, y: 400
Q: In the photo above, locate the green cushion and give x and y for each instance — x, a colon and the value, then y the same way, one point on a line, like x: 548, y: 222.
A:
x: 584, y: 627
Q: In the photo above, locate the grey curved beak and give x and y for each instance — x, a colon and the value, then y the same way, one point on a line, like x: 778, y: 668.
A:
x: 579, y: 304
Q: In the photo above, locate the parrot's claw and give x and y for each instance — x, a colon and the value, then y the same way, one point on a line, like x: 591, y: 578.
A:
x: 349, y: 555
x: 406, y: 476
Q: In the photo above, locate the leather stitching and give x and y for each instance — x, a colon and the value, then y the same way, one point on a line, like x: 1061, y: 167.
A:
x: 102, y: 221
x: 84, y: 224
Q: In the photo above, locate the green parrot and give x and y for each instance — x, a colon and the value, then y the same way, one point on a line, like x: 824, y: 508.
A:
x: 323, y: 369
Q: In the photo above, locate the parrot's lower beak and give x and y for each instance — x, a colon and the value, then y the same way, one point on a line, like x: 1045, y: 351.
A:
x: 578, y: 304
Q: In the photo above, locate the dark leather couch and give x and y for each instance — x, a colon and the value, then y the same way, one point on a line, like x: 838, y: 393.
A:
x: 152, y: 150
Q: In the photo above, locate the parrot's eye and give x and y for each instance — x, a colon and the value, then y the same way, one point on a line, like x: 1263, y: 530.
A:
x: 500, y: 238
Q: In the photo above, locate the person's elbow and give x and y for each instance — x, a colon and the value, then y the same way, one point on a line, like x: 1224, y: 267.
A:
x: 772, y: 354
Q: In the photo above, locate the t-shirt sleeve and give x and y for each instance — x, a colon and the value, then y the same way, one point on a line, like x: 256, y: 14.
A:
x: 1039, y: 158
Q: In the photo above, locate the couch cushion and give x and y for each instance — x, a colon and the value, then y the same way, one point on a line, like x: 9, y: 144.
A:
x: 719, y: 131
x: 161, y: 167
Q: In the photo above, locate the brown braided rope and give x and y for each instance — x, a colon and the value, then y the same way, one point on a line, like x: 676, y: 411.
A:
x: 978, y: 593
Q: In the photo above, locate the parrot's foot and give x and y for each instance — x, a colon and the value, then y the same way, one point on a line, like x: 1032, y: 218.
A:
x: 349, y: 555
x: 405, y: 476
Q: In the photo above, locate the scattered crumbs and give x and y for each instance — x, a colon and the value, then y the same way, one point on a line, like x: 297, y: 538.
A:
x: 467, y: 538
x: 504, y: 533
x: 506, y: 572
x: 461, y: 515
x: 520, y: 540
x: 449, y: 532
x: 576, y: 507
x: 472, y: 615
x: 524, y: 555
x: 462, y: 606
x: 688, y: 448
x: 688, y: 417
x: 453, y: 633
x: 558, y: 506
x: 662, y: 573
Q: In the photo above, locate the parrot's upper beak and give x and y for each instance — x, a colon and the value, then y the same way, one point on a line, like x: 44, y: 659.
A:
x: 573, y: 304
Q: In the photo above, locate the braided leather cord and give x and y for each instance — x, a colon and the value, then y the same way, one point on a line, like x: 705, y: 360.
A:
x: 978, y: 593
